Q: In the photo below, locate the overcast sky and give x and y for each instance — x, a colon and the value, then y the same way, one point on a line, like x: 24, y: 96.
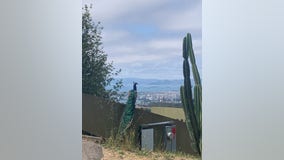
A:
x: 144, y: 37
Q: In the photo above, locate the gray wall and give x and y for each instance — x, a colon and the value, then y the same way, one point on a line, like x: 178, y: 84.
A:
x: 101, y: 117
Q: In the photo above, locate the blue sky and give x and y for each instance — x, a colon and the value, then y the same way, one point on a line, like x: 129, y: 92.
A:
x: 144, y: 37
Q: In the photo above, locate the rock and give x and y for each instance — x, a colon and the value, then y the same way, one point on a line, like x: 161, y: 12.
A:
x: 90, y: 149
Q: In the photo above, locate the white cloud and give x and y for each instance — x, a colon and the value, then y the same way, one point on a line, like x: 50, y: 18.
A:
x: 181, y: 20
x: 174, y: 44
x: 117, y: 50
x: 157, y: 55
x: 110, y: 35
x: 154, y: 51
x: 134, y: 58
x: 165, y: 43
x: 186, y: 17
x: 109, y: 10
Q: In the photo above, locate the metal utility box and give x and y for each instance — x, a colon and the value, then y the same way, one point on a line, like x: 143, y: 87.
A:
x: 147, y: 139
x: 170, y: 138
x: 158, y: 134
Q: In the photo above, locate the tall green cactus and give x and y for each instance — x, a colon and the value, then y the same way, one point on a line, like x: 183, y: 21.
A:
x: 192, y: 105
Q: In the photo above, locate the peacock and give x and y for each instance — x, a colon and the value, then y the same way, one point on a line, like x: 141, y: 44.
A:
x: 128, y: 113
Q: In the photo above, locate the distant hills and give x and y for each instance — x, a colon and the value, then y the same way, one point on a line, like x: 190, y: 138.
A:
x: 152, y: 85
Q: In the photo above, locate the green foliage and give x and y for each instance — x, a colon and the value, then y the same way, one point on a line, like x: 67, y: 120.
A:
x: 97, y: 73
x: 192, y: 105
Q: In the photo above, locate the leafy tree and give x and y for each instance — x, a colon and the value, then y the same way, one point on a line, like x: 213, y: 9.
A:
x: 97, y: 73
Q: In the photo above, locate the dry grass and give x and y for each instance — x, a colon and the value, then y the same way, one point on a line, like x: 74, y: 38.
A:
x: 126, y: 149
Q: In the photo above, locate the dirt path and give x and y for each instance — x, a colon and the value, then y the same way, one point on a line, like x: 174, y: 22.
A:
x: 93, y: 150
x: 115, y: 154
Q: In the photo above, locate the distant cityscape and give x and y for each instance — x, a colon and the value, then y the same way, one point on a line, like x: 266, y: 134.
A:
x: 163, y: 98
x: 153, y: 92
